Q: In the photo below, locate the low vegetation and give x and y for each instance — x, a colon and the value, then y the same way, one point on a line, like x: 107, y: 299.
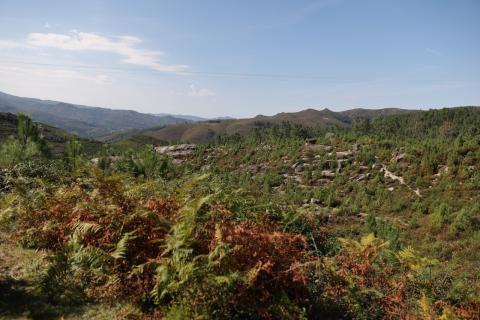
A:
x: 380, y: 220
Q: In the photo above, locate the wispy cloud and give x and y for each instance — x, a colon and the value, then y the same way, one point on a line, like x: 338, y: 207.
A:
x: 199, y: 92
x: 54, y: 73
x: 7, y: 44
x: 124, y: 46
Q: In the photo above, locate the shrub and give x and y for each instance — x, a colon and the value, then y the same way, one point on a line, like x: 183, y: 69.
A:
x: 441, y: 215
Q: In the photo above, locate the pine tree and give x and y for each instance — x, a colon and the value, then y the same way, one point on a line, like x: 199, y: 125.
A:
x: 74, y: 155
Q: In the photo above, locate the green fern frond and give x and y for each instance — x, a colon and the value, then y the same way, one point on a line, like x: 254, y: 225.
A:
x: 149, y: 266
x: 367, y: 240
x: 122, y: 246
x: 89, y: 258
x: 113, y: 279
x: 227, y: 280
x: 164, y: 277
x: 406, y: 253
x: 83, y: 229
x: 7, y: 210
x: 410, y: 259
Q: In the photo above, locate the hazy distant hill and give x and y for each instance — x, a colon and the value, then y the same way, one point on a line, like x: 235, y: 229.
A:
x: 181, y: 116
x: 83, y: 120
x: 56, y: 138
x: 205, y: 131
x: 191, y: 118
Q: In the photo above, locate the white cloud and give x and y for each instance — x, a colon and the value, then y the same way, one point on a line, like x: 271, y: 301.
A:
x: 48, y: 73
x: 6, y: 44
x: 123, y: 46
x: 199, y: 92
x: 47, y: 25
x: 71, y: 74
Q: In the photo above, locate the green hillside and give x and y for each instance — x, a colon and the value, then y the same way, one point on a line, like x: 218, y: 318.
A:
x: 378, y: 218
x: 207, y: 131
x: 55, y: 138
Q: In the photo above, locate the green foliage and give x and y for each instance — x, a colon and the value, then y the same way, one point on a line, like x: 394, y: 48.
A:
x: 384, y: 230
x: 73, y: 156
x: 13, y: 152
x: 193, y: 280
x: 466, y: 220
x: 146, y: 162
x: 261, y: 226
x: 441, y: 215
x: 29, y: 132
x: 28, y: 145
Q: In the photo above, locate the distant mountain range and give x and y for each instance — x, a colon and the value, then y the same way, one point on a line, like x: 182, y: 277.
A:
x: 205, y: 131
x: 180, y: 116
x: 133, y: 128
x: 83, y: 120
x: 190, y: 117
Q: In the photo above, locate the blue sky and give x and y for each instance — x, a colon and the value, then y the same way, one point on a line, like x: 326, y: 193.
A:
x: 242, y: 58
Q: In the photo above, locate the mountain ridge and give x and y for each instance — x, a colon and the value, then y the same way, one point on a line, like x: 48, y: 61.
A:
x: 86, y: 121
x: 206, y: 131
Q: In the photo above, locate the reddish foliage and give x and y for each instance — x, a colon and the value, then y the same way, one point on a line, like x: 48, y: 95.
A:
x: 370, y: 272
x: 468, y: 310
x: 162, y: 206
x: 114, y: 215
x: 273, y: 262
x: 276, y: 251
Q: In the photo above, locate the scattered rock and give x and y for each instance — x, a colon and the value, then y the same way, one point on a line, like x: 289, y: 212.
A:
x: 391, y: 175
x: 342, y: 154
x: 299, y: 169
x: 318, y: 148
x: 329, y: 135
x: 399, y: 179
x: 177, y: 151
x: 328, y: 174
x: 340, y: 164
x: 255, y: 168
x: 362, y: 177
x: 363, y: 168
x: 111, y: 159
x: 323, y: 181
x: 398, y: 157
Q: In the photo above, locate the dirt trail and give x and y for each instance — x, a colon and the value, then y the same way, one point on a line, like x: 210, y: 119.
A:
x: 399, y: 179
